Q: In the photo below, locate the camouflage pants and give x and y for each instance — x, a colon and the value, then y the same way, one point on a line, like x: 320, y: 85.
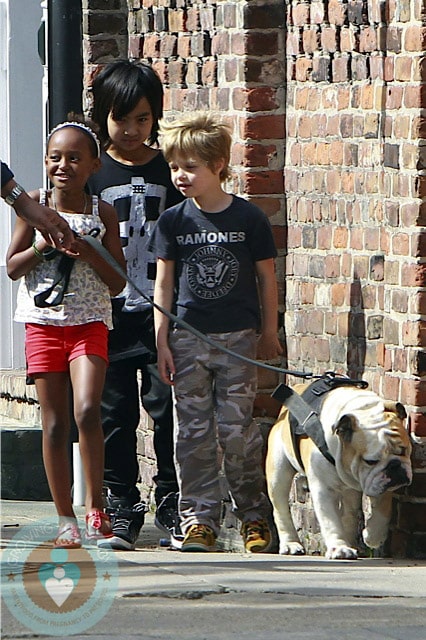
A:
x: 213, y: 401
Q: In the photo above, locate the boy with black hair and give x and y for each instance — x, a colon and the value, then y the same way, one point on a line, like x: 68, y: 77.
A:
x: 135, y: 179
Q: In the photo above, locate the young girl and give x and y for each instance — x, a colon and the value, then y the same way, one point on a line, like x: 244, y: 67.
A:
x: 67, y: 343
x: 135, y: 178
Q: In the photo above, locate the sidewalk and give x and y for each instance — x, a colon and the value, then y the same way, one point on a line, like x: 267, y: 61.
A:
x: 170, y: 595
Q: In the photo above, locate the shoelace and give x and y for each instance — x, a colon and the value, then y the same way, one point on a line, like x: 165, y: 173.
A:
x: 96, y: 521
x: 200, y: 530
x: 122, y: 516
x: 251, y: 528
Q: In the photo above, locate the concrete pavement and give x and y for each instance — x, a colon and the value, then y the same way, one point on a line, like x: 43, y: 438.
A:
x: 163, y: 595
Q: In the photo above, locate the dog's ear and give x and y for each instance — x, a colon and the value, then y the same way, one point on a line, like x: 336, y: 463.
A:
x: 344, y: 428
x: 396, y: 407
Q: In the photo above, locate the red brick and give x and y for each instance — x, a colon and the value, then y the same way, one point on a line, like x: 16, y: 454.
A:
x: 209, y: 72
x: 328, y: 39
x: 307, y: 293
x: 414, y: 333
x: 413, y: 275
x: 310, y: 40
x: 176, y: 72
x: 391, y: 385
x: 151, y: 46
x: 192, y: 19
x: 413, y: 392
x: 136, y: 46
x: 309, y: 153
x: 257, y: 99
x: 256, y: 44
x: 300, y: 15
x: 269, y: 205
x: 368, y: 39
x: 343, y: 98
x: 348, y: 182
x: 263, y: 182
x: 168, y: 46
x: 340, y: 237
x: 333, y: 182
x: 294, y: 153
x: 293, y: 43
x: 348, y: 41
x: 401, y: 244
x: 257, y: 155
x: 265, y: 405
x: 332, y: 266
x: 184, y: 45
x: 220, y: 43
x: 414, y: 96
x: 340, y: 68
x: 263, y: 127
x: 317, y: 12
x: 176, y: 19
x: 356, y: 239
x: 337, y: 12
x: 303, y: 69
x: 394, y: 97
x: 418, y: 424
x: 415, y: 38
x: 376, y: 67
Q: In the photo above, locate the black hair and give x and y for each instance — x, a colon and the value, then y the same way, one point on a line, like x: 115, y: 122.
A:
x: 117, y: 89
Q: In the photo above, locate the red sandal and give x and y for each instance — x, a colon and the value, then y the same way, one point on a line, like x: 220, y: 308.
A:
x: 98, y: 525
x: 68, y: 535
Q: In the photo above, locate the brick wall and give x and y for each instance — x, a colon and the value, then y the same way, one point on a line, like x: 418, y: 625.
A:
x: 324, y: 98
x: 354, y: 183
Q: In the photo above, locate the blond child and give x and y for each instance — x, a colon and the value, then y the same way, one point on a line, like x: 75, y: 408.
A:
x: 215, y: 258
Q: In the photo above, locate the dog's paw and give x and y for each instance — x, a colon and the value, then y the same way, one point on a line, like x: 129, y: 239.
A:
x: 373, y: 539
x: 292, y: 549
x: 341, y: 553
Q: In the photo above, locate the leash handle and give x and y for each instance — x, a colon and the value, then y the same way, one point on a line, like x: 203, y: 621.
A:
x: 182, y: 323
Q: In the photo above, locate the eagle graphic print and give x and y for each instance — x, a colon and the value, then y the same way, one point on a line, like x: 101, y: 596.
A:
x: 212, y: 272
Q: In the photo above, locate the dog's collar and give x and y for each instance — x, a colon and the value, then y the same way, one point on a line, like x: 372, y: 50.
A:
x: 305, y: 409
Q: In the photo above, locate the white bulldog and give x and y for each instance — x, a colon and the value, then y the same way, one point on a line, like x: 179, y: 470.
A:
x: 371, y: 448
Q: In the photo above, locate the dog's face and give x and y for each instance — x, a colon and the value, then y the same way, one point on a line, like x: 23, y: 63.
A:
x: 375, y: 447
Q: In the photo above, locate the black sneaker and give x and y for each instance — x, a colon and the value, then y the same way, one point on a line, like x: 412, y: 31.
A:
x: 167, y: 519
x: 126, y: 523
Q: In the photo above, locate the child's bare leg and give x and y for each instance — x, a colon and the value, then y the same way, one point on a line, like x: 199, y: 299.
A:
x: 87, y: 377
x: 52, y: 390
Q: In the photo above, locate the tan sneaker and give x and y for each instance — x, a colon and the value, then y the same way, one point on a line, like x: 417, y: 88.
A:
x: 256, y: 535
x: 199, y: 537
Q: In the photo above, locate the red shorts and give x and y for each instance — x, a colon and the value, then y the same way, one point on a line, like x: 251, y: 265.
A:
x: 50, y: 348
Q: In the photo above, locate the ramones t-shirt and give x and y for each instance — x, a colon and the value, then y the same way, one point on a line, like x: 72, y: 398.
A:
x: 215, y: 256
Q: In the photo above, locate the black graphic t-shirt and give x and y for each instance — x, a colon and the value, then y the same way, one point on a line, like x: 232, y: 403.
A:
x: 215, y: 256
x: 139, y: 194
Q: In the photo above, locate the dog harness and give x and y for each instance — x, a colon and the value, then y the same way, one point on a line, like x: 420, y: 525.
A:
x: 305, y: 409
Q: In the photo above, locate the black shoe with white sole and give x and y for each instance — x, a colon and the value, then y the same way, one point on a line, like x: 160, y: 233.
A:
x: 126, y: 521
x: 168, y: 521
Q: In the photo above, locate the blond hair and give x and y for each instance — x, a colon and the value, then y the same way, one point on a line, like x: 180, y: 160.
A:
x: 201, y: 134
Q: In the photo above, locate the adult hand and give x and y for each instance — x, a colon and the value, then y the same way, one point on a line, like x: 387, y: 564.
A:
x: 53, y: 228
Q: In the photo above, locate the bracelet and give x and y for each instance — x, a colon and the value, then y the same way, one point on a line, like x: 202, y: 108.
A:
x: 49, y: 254
x: 37, y: 252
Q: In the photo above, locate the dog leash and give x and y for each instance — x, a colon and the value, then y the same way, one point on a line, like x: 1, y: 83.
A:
x: 54, y: 295
x: 98, y: 246
x: 309, y: 421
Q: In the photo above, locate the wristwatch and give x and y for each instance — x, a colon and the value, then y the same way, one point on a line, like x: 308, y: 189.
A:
x: 13, y: 195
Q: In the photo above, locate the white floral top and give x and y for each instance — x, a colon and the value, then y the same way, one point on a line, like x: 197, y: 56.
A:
x: 87, y: 298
